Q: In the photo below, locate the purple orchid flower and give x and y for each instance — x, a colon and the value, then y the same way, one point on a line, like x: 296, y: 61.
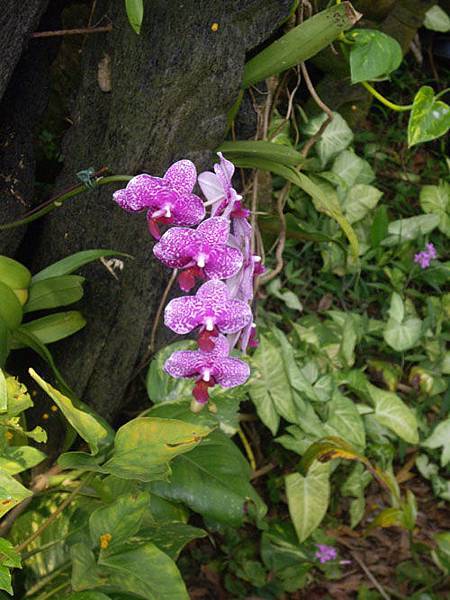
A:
x: 209, y: 368
x: 204, y: 251
x: 325, y: 553
x: 425, y: 257
x: 167, y: 200
x: 219, y: 191
x: 212, y: 308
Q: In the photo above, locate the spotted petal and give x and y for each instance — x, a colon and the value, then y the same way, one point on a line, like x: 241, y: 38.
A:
x: 215, y: 230
x: 221, y: 348
x: 171, y: 249
x: 230, y: 372
x: 223, y: 262
x: 188, y: 209
x: 184, y: 363
x: 234, y: 317
x: 144, y: 191
x: 182, y: 315
x: 182, y: 176
x: 224, y: 170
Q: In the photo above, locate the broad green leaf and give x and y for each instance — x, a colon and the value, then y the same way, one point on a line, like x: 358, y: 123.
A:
x: 171, y: 537
x: 436, y: 199
x: 345, y: 421
x: 9, y: 557
x: 89, y: 426
x: 135, y: 13
x: 330, y: 448
x: 352, y: 169
x: 85, y: 573
x: 300, y: 43
x: 11, y: 492
x: 405, y: 230
x: 146, y: 572
x: 53, y: 328
x: 379, y: 227
x: 5, y: 580
x: 14, y: 274
x: 3, y: 393
x: 336, y: 137
x: 15, y: 459
x: 265, y: 150
x: 54, y: 292
x: 401, y: 333
x: 144, y: 446
x: 213, y: 480
x: 10, y: 308
x: 360, y: 200
x: 355, y: 485
x: 437, y: 19
x: 72, y: 263
x: 393, y: 413
x: 373, y: 54
x: 87, y: 596
x: 308, y: 499
x: 429, y: 118
x: 79, y: 460
x: 4, y: 342
x: 440, y: 437
x: 119, y: 520
x: 442, y: 552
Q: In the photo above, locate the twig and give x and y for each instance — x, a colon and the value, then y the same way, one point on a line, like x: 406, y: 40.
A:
x: 53, y: 516
x: 248, y: 449
x: 370, y: 576
x: 151, y: 347
x: 263, y: 279
x: 79, y: 31
x: 262, y: 471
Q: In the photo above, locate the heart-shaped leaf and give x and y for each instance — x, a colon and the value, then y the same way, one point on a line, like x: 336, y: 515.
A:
x: 429, y: 119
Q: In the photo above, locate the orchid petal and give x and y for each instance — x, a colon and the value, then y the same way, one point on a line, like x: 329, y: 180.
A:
x: 230, y: 372
x: 171, y: 249
x: 224, y: 169
x: 234, y: 316
x: 182, y: 315
x: 224, y: 262
x: 144, y: 191
x: 221, y: 348
x: 182, y: 176
x: 211, y: 186
x: 215, y: 230
x: 188, y: 209
x: 184, y: 363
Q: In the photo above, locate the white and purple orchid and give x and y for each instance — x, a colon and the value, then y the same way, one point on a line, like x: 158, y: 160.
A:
x: 168, y: 200
x: 218, y: 251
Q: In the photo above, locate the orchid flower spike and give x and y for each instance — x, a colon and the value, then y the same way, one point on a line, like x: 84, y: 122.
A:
x: 167, y: 200
x: 212, y: 308
x: 200, y: 252
x: 208, y: 368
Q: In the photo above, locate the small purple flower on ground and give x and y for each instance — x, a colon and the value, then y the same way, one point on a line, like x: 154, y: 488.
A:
x: 325, y: 553
x: 205, y: 248
x: 167, y: 200
x: 212, y: 308
x: 425, y: 257
x: 208, y: 368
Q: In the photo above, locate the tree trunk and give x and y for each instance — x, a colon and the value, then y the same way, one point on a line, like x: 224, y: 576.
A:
x: 171, y: 88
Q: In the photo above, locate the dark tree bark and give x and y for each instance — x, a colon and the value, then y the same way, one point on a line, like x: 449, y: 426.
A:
x: 171, y: 88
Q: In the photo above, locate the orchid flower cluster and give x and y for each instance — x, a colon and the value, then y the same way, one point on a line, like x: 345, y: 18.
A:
x: 218, y: 253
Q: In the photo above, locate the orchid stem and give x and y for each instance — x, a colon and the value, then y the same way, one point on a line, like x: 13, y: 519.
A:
x: 57, y: 201
x: 248, y: 449
x: 384, y: 100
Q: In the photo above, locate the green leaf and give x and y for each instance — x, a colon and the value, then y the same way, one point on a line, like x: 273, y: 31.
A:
x: 5, y: 580
x: 336, y: 137
x: 171, y: 537
x: 14, y: 274
x: 4, y: 342
x: 440, y: 437
x: 212, y: 480
x: 15, y: 459
x: 437, y: 19
x: 330, y: 448
x: 85, y: 573
x: 345, y: 421
x: 144, y: 446
x: 373, y: 55
x: 429, y: 118
x: 79, y: 460
x: 442, y: 553
x: 436, y: 199
x: 393, y: 413
x: 10, y: 308
x: 401, y: 332
x: 54, y: 292
x: 405, y: 230
x: 161, y: 387
x: 265, y: 150
x: 11, y: 492
x: 135, y: 13
x: 308, y: 499
x: 379, y: 228
x: 72, y: 263
x: 360, y: 200
x: 3, y: 393
x: 146, y: 572
x: 9, y: 557
x: 89, y: 426
x: 52, y: 328
x: 352, y: 169
x: 88, y: 596
x: 121, y: 520
x: 300, y: 43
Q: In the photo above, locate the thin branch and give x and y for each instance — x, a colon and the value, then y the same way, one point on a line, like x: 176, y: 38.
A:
x: 79, y: 31
x: 264, y: 279
x: 169, y: 285
x: 370, y: 576
x: 312, y: 90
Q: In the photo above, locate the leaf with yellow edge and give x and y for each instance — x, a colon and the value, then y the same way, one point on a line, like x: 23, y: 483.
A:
x: 329, y: 448
x: 144, y: 446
